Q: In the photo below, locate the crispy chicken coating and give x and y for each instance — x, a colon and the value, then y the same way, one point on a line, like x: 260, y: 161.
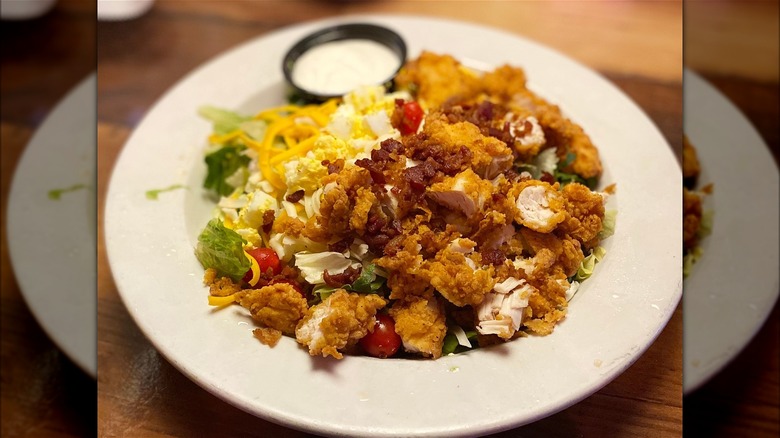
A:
x: 465, y: 192
x: 550, y: 250
x: 585, y: 214
x: 436, y: 79
x: 278, y: 306
x: 219, y: 287
x: 267, y: 336
x: 364, y: 201
x: 692, y: 213
x: 334, y: 210
x: 338, y: 322
x: 450, y: 274
x: 421, y: 324
x: 540, y: 206
x: 489, y: 155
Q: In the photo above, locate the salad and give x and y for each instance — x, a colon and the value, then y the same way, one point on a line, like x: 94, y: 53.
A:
x: 697, y: 222
x: 456, y: 211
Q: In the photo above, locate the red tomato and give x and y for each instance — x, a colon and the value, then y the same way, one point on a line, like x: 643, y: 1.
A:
x: 412, y: 116
x: 266, y: 258
x: 383, y: 342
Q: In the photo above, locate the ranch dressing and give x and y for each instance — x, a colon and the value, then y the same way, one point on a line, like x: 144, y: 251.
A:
x: 340, y: 66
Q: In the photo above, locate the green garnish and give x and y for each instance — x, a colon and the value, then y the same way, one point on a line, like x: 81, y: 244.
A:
x: 152, y: 195
x: 56, y: 194
x: 223, y: 121
x: 222, y: 164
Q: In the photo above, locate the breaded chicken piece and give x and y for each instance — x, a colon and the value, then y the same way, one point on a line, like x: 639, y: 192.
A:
x: 690, y: 164
x: 692, y: 213
x: 278, y: 306
x: 504, y: 82
x: 421, y: 324
x: 450, y: 274
x: 338, y: 322
x: 334, y: 210
x: 585, y: 214
x: 528, y: 135
x: 540, y: 206
x: 434, y: 79
x: 550, y: 250
x: 219, y: 287
x: 489, y: 155
x: 501, y: 312
x: 364, y: 201
x: 465, y: 192
x: 560, y: 132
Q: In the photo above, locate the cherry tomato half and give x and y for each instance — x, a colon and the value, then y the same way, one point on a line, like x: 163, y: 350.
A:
x: 383, y: 342
x: 412, y: 117
x: 266, y: 259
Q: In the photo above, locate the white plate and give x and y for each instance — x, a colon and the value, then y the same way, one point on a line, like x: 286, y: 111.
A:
x: 734, y: 285
x: 52, y: 242
x: 614, y: 317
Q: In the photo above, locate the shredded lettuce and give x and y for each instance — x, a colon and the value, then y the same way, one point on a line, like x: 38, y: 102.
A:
x: 547, y: 160
x: 223, y: 164
x: 222, y: 249
x: 451, y: 344
x: 690, y: 259
x: 223, y: 121
x: 589, y: 263
x: 705, y: 226
x: 367, y: 283
x: 313, y: 265
x: 608, y: 224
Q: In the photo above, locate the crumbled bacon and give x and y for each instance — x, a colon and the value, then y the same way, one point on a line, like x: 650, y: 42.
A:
x: 268, y: 220
x: 295, y: 197
x: 334, y: 167
x: 338, y: 280
x: 342, y: 245
x: 419, y: 176
x: 493, y: 257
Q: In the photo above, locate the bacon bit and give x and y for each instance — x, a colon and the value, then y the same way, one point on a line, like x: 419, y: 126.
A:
x: 547, y: 177
x: 295, y: 197
x: 419, y: 176
x: 268, y: 220
x: 494, y: 257
x: 342, y: 245
x: 391, y: 145
x: 334, y: 167
x: 338, y: 280
x: 375, y: 168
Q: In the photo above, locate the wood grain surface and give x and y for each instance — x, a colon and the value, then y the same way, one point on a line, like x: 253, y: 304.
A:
x: 637, y: 45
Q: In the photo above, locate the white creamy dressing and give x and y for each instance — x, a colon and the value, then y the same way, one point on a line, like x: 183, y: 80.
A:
x: 340, y: 66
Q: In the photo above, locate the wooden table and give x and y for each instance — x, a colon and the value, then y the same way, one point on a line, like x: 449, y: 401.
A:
x: 636, y: 45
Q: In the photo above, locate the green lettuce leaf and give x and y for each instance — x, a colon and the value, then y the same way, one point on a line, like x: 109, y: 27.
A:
x: 608, y: 224
x: 222, y: 249
x: 690, y: 259
x: 222, y: 164
x: 589, y: 263
x: 223, y: 121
